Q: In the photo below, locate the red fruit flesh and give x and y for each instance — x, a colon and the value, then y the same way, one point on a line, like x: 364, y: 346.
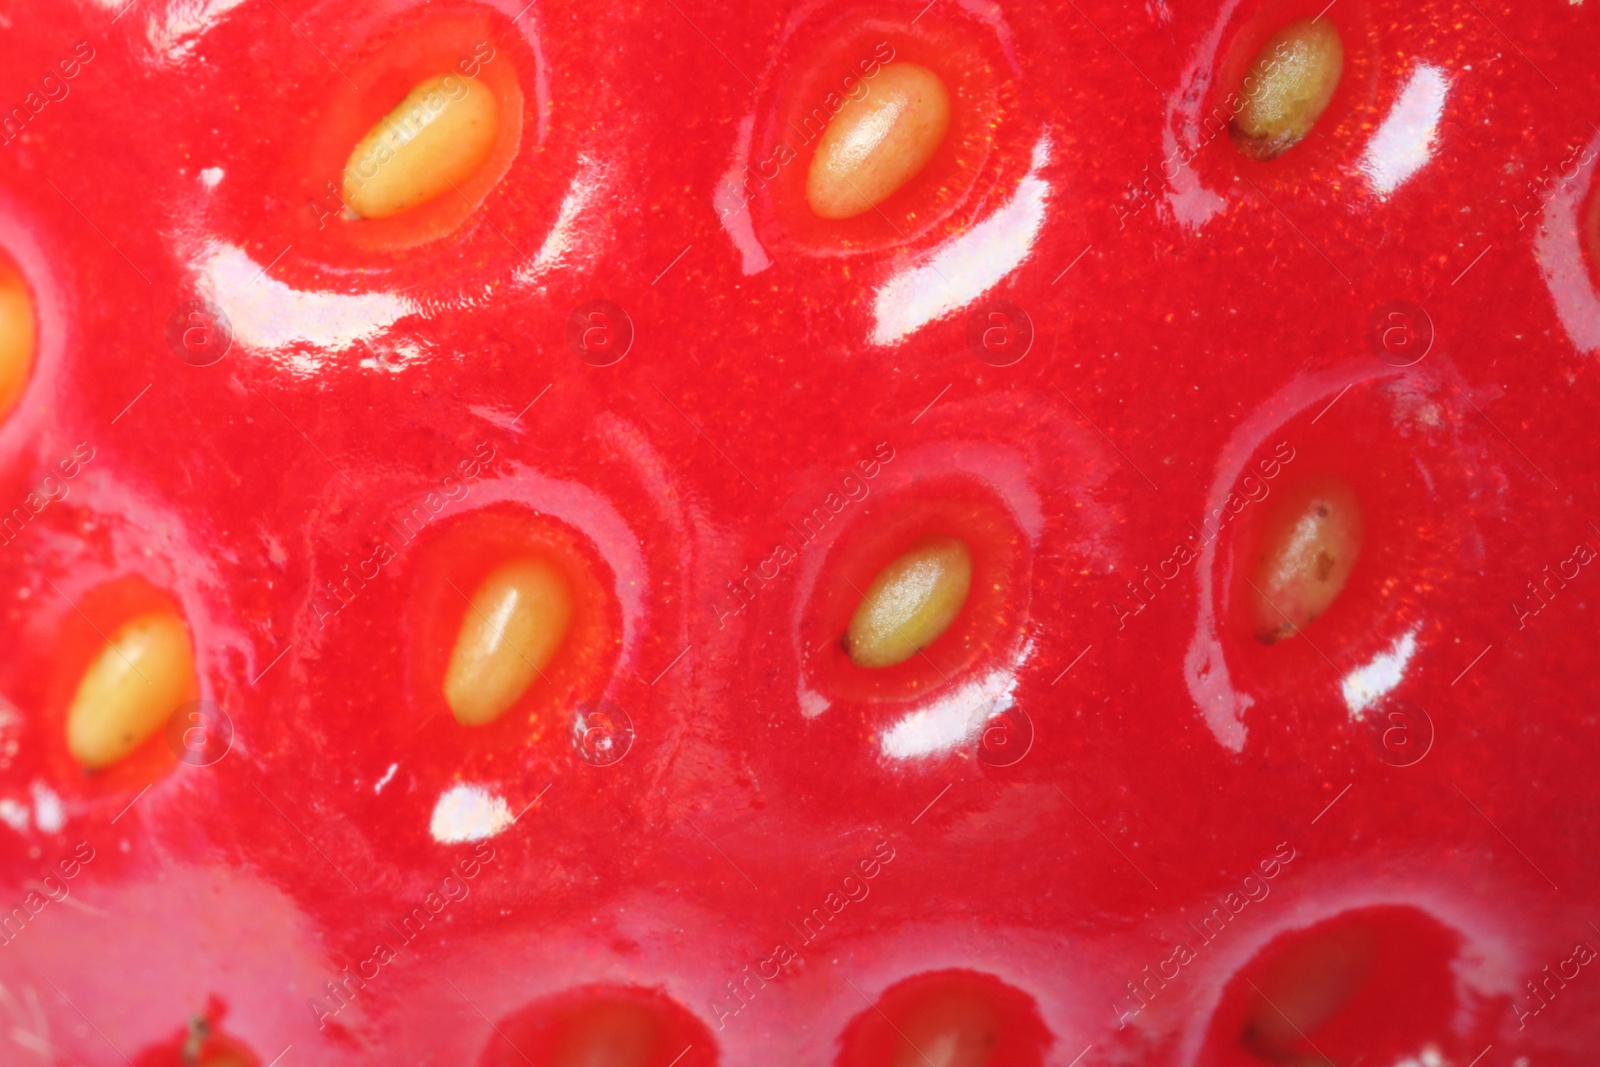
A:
x: 1077, y: 826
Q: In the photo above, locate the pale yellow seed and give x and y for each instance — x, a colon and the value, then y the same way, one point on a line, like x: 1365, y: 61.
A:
x: 1306, y: 558
x: 878, y: 142
x: 910, y: 603
x: 428, y: 145
x: 512, y: 629
x: 17, y: 338
x: 1288, y: 88
x: 141, y: 676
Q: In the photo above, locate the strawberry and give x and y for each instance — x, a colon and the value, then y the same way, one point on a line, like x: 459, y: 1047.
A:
x: 859, y: 534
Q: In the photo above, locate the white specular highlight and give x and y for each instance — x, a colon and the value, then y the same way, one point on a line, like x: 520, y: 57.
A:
x: 468, y: 813
x: 1371, y: 682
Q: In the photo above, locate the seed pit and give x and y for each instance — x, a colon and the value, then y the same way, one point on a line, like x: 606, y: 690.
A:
x: 879, y: 142
x: 430, y: 143
x: 201, y: 1043
x: 1374, y: 985
x: 1309, y: 984
x: 601, y: 1027
x: 947, y: 1019
x: 1290, y: 84
x: 910, y: 603
x: 512, y: 626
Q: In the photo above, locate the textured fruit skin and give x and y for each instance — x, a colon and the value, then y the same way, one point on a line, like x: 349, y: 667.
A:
x: 1152, y: 787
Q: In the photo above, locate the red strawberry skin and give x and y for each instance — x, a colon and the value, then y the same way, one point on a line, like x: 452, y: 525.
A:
x: 1197, y: 319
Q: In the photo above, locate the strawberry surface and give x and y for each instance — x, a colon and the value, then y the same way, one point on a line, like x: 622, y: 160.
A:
x: 1098, y: 821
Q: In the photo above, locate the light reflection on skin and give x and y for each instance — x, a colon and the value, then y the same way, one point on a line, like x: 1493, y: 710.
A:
x: 267, y: 315
x: 468, y: 813
x: 733, y: 207
x: 1404, y: 142
x: 966, y: 266
x: 956, y: 718
x: 175, y: 33
x: 303, y: 328
x: 1185, y: 132
x: 1371, y: 682
x: 1558, y: 249
x: 559, y: 243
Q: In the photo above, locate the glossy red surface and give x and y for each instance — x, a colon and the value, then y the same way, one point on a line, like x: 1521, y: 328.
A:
x: 782, y: 845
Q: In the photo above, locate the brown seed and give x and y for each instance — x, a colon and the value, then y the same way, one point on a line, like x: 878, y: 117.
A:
x: 1288, y: 88
x: 878, y: 142
x: 1308, y: 546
